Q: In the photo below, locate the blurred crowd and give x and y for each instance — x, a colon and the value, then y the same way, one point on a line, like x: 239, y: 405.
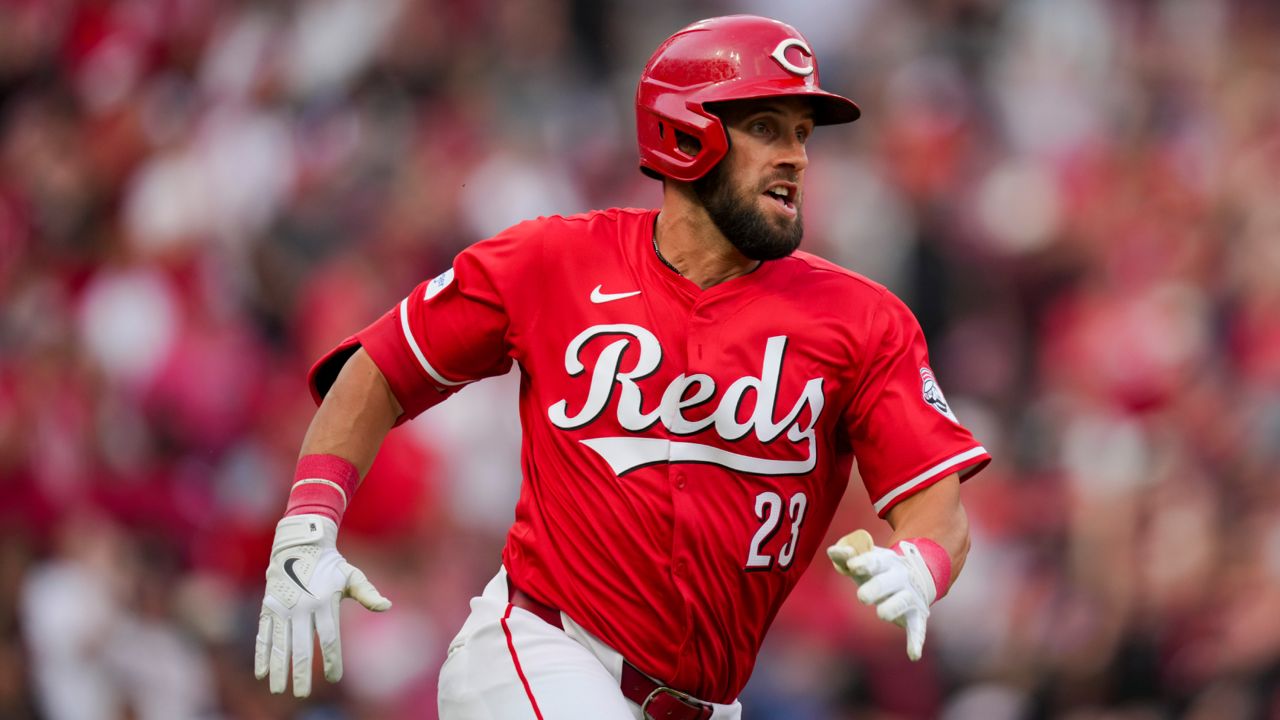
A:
x: 1080, y: 199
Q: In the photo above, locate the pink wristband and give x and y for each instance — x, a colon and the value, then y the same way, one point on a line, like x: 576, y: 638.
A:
x: 322, y: 485
x: 936, y: 559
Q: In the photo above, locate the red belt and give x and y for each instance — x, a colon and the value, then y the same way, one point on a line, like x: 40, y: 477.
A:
x: 656, y: 700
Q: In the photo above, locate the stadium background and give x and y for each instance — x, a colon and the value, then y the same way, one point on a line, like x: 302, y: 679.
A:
x: 1079, y: 198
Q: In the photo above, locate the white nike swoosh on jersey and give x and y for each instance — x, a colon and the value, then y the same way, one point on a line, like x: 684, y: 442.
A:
x: 598, y: 296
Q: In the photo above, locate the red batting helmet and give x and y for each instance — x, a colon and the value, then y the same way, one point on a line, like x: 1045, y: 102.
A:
x: 739, y: 57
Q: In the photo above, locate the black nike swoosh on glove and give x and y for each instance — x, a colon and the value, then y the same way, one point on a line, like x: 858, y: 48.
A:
x: 288, y: 570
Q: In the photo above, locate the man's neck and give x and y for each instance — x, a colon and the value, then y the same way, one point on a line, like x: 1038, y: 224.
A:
x: 689, y: 241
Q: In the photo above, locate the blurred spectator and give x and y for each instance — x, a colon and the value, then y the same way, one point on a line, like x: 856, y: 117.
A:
x: 98, y: 627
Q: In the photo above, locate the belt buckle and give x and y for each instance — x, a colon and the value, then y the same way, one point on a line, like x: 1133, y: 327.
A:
x: 685, y: 698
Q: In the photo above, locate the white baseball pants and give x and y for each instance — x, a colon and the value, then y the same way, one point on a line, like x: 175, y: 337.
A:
x: 507, y: 664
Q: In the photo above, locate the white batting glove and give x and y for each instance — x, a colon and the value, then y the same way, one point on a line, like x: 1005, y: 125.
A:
x: 306, y: 579
x: 899, y: 586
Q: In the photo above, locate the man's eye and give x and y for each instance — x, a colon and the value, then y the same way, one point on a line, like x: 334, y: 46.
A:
x: 760, y: 127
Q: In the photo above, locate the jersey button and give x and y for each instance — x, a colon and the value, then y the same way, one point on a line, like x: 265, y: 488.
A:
x: 679, y: 568
x: 679, y: 481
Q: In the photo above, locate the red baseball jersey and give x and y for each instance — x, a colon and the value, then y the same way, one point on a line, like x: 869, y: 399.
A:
x: 684, y: 449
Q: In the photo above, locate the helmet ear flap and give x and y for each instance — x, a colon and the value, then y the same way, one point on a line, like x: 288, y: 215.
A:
x: 679, y: 143
x: 671, y: 139
x: 662, y: 150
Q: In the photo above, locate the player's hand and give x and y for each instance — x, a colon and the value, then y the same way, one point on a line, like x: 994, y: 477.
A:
x: 306, y: 579
x: 900, y: 586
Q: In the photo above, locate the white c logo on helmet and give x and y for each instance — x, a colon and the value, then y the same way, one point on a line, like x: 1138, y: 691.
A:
x: 780, y: 54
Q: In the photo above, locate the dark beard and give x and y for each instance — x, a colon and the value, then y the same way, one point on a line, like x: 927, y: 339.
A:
x: 741, y: 221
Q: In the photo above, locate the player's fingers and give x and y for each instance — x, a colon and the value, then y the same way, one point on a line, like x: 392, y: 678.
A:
x: 359, y: 587
x: 873, y: 562
x: 279, y: 660
x: 262, y: 645
x: 893, y: 608
x: 840, y: 556
x: 879, y: 587
x: 916, y: 624
x: 302, y: 643
x: 327, y: 628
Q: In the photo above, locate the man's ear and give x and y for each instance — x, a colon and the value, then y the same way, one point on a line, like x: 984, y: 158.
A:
x: 687, y: 143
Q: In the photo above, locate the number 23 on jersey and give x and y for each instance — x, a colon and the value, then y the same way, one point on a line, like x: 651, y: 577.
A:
x: 769, y: 510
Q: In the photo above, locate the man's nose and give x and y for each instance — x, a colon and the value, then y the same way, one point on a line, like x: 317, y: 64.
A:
x: 793, y: 154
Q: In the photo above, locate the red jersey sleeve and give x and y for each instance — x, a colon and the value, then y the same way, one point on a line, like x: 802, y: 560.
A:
x: 449, y: 332
x: 904, y: 434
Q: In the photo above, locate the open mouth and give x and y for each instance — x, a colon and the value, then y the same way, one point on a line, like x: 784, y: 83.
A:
x: 784, y: 195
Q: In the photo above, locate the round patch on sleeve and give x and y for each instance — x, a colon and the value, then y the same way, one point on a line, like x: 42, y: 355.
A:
x: 437, y: 284
x: 933, y: 394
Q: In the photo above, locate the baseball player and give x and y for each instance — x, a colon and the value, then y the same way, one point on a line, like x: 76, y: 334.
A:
x: 694, y: 393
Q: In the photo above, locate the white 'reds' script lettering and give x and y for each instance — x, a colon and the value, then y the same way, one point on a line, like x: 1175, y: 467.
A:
x: 685, y: 391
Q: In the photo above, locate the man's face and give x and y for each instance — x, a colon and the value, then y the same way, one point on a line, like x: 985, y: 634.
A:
x: 754, y: 194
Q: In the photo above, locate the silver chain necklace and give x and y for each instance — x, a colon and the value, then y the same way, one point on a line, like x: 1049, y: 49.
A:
x: 658, y: 252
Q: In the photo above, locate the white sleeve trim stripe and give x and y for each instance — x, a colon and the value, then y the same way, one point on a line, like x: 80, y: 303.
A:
x: 933, y: 472
x: 417, y: 351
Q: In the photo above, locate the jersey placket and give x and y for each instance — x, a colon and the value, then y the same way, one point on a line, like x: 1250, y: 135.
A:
x: 700, y: 331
